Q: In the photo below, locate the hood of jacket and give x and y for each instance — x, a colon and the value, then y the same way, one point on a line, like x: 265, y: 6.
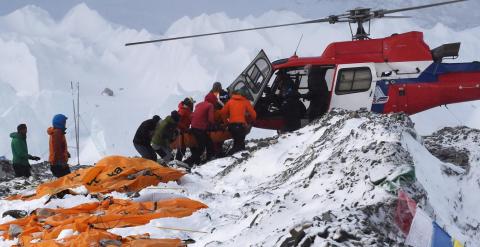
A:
x: 211, y: 98
x: 238, y: 97
x: 16, y: 135
x: 51, y: 130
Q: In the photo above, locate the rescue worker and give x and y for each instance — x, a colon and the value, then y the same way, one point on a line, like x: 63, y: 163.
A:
x: 185, y: 109
x: 21, y: 166
x: 164, y: 134
x: 59, y: 154
x: 222, y: 98
x: 236, y: 111
x: 293, y: 110
x: 202, y: 118
x: 221, y: 95
x: 317, y: 92
x: 143, y: 138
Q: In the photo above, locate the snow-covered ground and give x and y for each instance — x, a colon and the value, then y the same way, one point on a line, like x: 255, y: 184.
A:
x: 323, y: 182
x: 40, y: 55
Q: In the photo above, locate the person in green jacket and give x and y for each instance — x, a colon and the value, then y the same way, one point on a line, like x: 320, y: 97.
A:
x: 21, y: 166
x: 164, y: 134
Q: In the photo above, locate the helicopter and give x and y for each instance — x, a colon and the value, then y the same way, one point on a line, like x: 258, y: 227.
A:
x: 399, y: 73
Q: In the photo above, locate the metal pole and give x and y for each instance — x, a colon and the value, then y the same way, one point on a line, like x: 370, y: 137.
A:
x: 75, y: 117
x: 78, y: 123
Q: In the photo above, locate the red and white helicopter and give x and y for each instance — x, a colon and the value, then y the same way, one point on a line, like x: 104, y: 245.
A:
x: 399, y: 73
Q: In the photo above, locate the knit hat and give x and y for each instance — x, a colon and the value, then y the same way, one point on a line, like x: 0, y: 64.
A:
x: 217, y: 87
x: 175, y: 116
x: 21, y: 127
x: 59, y: 121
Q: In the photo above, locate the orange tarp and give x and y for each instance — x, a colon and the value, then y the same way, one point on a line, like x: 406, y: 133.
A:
x: 93, y: 219
x: 114, y: 173
x: 188, y: 140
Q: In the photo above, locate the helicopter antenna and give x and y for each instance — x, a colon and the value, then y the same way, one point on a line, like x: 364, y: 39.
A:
x: 296, y: 49
x: 357, y: 16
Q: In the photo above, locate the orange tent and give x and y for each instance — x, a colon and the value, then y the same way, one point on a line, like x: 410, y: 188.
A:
x: 114, y: 173
x: 91, y: 220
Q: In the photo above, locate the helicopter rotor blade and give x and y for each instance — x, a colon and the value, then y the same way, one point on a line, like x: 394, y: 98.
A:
x: 396, y: 17
x: 386, y: 11
x: 231, y: 31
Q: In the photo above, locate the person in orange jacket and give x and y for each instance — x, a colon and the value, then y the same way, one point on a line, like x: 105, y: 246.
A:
x: 237, y: 110
x: 185, y: 109
x: 59, y: 155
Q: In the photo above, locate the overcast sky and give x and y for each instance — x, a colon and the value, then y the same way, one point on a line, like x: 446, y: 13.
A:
x: 157, y: 15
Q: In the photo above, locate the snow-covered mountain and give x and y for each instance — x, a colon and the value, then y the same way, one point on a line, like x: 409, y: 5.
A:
x: 40, y: 55
x: 332, y: 183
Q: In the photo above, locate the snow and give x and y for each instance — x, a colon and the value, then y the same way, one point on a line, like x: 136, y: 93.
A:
x: 65, y: 233
x: 283, y: 183
x: 316, y: 180
x: 42, y: 54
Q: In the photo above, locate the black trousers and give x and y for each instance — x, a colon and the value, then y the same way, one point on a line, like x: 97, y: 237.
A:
x: 238, y: 132
x: 203, y: 142
x: 146, y: 151
x: 60, y: 169
x: 22, y: 170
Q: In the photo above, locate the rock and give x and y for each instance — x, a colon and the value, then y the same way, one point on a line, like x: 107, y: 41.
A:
x: 110, y: 242
x: 341, y: 236
x: 15, y: 213
x: 323, y: 233
x: 237, y: 195
x: 295, y: 239
x: 44, y: 212
x: 107, y: 92
x: 308, y: 241
x: 14, y: 230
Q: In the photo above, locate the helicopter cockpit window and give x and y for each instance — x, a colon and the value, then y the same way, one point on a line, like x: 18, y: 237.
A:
x: 354, y: 80
x: 257, y: 74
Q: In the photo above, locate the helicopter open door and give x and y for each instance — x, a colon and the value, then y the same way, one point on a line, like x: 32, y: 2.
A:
x: 354, y: 86
x: 254, y: 78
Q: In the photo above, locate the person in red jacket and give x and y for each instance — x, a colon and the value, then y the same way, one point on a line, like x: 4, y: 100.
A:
x: 59, y: 154
x: 185, y: 109
x: 202, y: 118
x: 237, y: 109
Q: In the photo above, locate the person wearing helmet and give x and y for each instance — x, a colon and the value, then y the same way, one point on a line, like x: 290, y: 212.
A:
x: 202, y: 118
x: 59, y: 154
x: 165, y: 133
x: 21, y: 166
x: 185, y: 109
x: 237, y: 110
x: 143, y: 137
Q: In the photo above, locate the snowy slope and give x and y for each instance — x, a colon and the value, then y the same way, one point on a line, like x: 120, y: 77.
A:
x: 322, y: 182
x: 319, y: 179
x: 40, y: 55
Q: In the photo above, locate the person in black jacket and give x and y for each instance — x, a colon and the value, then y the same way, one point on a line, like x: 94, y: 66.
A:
x: 293, y: 110
x: 221, y: 95
x: 143, y: 137
x: 317, y: 93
